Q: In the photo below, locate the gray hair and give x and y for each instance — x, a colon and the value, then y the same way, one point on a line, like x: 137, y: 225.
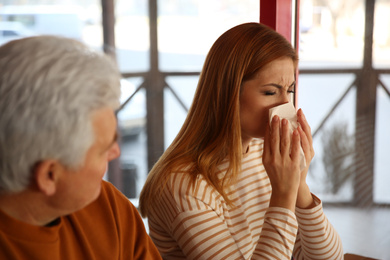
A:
x: 49, y: 88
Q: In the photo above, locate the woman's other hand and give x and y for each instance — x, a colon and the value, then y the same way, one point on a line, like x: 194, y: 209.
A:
x: 281, y: 159
x: 306, y: 143
x: 304, y: 198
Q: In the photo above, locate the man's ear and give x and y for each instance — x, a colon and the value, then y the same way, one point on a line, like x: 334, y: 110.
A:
x: 46, y: 176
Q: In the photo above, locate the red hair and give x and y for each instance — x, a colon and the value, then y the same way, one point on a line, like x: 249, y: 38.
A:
x: 211, y: 132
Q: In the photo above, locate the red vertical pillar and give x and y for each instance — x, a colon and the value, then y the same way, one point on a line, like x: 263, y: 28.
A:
x: 277, y: 14
x: 283, y: 17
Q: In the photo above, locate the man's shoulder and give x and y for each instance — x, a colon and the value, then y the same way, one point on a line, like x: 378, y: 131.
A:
x: 113, y: 195
x: 111, y: 200
x: 109, y: 188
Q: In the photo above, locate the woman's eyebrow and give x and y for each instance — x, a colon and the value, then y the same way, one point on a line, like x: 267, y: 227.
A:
x: 277, y: 85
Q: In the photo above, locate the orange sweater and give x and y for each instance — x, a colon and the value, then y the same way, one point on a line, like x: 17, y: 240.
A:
x: 108, y: 228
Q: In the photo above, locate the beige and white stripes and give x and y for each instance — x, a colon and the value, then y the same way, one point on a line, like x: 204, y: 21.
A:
x: 198, y: 224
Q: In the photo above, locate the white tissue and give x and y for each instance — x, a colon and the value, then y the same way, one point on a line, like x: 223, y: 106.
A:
x: 288, y: 112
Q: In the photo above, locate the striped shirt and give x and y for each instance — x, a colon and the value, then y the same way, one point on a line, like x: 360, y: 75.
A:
x: 197, y: 223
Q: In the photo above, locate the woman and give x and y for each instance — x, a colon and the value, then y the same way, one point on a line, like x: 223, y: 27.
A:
x: 230, y: 185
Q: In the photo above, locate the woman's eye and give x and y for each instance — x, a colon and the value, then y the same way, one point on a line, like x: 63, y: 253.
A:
x: 291, y: 91
x: 270, y: 93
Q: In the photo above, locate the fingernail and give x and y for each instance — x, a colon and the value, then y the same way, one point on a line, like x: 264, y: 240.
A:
x: 284, y: 121
x: 275, y: 119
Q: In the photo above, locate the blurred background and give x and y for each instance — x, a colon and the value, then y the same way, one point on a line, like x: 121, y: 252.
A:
x: 160, y: 47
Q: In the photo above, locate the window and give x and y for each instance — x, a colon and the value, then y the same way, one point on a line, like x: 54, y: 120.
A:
x: 186, y: 31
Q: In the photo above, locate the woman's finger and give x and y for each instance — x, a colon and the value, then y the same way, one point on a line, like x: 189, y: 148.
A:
x: 295, y: 146
x: 304, y: 140
x: 267, y: 136
x: 307, y: 146
x: 285, y: 139
x: 306, y: 137
x: 305, y: 125
x: 275, y: 136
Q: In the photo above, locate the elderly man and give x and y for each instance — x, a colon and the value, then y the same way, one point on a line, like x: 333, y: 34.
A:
x: 57, y: 134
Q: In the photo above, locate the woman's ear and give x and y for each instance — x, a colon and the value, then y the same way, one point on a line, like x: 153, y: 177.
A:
x: 45, y: 174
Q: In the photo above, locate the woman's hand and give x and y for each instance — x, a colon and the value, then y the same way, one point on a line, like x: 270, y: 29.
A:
x: 306, y: 143
x: 304, y: 198
x: 281, y: 160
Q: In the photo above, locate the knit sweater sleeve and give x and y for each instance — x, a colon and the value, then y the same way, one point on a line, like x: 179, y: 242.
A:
x: 317, y: 238
x: 197, y: 224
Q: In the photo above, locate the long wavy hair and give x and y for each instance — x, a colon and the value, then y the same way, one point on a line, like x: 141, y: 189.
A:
x: 211, y: 132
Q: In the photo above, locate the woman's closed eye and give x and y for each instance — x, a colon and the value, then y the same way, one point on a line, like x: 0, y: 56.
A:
x: 270, y: 93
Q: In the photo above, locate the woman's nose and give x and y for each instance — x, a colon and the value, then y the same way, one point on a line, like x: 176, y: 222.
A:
x: 285, y: 98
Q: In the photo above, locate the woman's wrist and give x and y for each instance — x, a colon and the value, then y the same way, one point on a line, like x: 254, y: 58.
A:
x: 287, y: 201
x: 304, y: 198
